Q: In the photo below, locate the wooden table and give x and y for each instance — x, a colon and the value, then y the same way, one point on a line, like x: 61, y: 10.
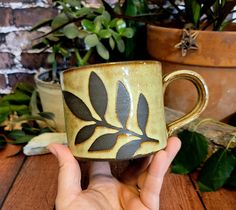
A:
x: 30, y: 183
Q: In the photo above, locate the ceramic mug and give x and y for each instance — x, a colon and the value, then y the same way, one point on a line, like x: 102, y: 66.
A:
x: 116, y: 110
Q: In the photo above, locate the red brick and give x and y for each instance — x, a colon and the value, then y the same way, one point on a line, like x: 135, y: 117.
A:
x: 6, y: 60
x: 34, y: 61
x: 32, y: 16
x: 6, y: 18
x: 18, y: 1
x: 20, y: 77
x: 2, y: 81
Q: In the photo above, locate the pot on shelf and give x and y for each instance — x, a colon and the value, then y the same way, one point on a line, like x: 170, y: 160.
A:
x: 215, y: 60
x: 51, y: 99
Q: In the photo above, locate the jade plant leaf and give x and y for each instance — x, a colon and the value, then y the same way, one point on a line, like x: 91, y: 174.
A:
x: 71, y: 31
x: 216, y: 170
x: 193, y: 151
x: 112, y: 43
x: 127, y: 151
x: 120, y: 24
x: 104, y: 142
x: 105, y: 34
x: 98, y: 94
x: 77, y: 106
x: 143, y: 113
x: 127, y: 32
x: 91, y: 40
x: 123, y: 104
x: 85, y: 133
x: 88, y: 25
x: 119, y: 42
x: 59, y: 20
x: 102, y: 51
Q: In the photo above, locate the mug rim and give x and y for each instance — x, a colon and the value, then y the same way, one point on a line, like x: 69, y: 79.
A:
x: 110, y: 64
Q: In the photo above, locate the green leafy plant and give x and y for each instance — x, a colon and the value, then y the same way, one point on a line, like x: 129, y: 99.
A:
x: 79, y: 31
x: 216, y: 170
x: 21, y: 118
x: 199, y: 14
x: 195, y: 14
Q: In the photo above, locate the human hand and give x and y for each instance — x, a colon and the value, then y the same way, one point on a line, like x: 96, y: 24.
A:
x: 139, y: 188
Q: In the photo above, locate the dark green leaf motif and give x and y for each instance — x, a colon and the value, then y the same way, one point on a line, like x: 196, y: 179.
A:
x: 77, y: 106
x: 143, y: 112
x: 85, y: 133
x: 104, y: 142
x: 98, y: 94
x: 127, y: 151
x: 216, y: 170
x: 99, y: 100
x: 122, y: 104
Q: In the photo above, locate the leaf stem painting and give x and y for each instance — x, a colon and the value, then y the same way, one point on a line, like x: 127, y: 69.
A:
x: 99, y: 99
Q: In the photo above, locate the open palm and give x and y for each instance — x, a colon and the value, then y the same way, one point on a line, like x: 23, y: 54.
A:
x: 138, y: 189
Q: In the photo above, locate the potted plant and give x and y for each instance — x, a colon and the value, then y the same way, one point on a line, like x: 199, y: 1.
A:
x: 77, y: 36
x: 188, y: 35
x: 197, y: 35
x: 21, y: 116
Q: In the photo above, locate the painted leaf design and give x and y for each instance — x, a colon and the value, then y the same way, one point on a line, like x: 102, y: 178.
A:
x: 85, y: 133
x: 104, y: 142
x: 77, y: 106
x: 122, y: 104
x: 97, y: 94
x: 127, y: 151
x: 143, y: 112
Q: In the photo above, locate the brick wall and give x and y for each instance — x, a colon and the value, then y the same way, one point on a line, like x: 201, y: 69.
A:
x: 18, y: 62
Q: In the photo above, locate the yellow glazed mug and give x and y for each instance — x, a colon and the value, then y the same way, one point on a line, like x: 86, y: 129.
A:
x: 116, y: 110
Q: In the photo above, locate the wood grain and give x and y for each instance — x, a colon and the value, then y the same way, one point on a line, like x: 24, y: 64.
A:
x: 178, y: 193
x: 9, y: 168
x: 36, y: 185
x: 220, y: 200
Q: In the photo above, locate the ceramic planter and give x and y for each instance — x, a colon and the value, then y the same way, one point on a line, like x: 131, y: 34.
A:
x: 214, y: 60
x: 51, y: 99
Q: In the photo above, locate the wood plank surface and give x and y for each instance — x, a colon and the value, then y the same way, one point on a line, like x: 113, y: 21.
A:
x: 9, y: 168
x: 36, y: 185
x: 220, y: 200
x: 178, y: 193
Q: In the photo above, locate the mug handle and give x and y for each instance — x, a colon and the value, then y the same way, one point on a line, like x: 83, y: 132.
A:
x: 202, y: 101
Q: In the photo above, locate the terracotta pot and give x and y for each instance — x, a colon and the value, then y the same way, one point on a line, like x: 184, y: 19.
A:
x: 51, y: 99
x: 214, y: 60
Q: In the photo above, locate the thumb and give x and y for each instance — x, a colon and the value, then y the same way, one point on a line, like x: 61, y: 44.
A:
x: 69, y: 174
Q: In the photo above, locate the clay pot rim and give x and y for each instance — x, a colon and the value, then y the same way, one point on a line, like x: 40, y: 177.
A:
x: 205, y: 32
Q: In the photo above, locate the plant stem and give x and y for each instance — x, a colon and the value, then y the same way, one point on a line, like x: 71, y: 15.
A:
x: 87, y: 56
x: 78, y: 58
x: 54, y: 71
